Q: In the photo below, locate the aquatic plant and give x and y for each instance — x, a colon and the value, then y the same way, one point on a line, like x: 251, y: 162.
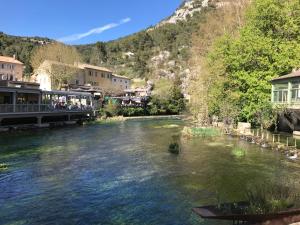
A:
x: 273, y: 198
x: 168, y: 126
x: 174, y: 148
x: 200, y: 131
x: 3, y: 166
x: 238, y: 152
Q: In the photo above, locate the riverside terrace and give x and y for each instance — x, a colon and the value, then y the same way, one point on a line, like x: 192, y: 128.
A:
x: 25, y: 103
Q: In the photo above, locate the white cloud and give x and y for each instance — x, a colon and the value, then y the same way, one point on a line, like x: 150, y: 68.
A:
x: 97, y: 30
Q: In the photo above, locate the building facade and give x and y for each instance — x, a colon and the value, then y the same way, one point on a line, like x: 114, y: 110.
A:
x: 11, y: 69
x: 121, y: 82
x: 85, y: 75
x: 286, y: 90
x: 94, y: 76
x: 286, y: 95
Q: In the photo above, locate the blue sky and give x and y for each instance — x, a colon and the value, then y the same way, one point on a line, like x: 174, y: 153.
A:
x: 82, y: 21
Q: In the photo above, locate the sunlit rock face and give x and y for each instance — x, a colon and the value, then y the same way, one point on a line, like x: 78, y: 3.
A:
x: 187, y: 9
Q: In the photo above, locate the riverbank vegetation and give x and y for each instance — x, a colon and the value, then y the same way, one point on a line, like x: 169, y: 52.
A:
x: 200, y: 132
x: 256, y: 42
x: 170, y: 102
x: 273, y: 198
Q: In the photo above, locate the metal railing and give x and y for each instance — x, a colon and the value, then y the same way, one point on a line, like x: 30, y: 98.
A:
x: 25, y: 108
x: 6, y: 108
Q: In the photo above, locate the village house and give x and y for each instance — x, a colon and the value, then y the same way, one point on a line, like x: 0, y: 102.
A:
x: 121, y: 82
x: 94, y: 75
x: 43, y: 75
x: 85, y: 75
x: 11, y: 68
x: 286, y: 90
x: 286, y: 93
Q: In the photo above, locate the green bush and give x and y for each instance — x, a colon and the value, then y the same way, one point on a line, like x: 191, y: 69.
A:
x: 133, y: 111
x: 153, y: 110
x: 111, y: 109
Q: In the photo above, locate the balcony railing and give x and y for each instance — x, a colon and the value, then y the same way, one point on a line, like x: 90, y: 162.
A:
x: 26, y: 108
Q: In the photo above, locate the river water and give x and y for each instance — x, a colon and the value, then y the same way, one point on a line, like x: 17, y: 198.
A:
x: 122, y: 173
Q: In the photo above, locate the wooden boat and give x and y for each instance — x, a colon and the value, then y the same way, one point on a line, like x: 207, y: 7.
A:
x: 234, y: 212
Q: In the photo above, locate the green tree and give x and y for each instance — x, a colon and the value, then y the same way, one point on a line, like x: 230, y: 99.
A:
x: 267, y: 47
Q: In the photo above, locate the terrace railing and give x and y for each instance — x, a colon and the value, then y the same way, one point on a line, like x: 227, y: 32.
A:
x: 6, y: 108
x: 27, y: 108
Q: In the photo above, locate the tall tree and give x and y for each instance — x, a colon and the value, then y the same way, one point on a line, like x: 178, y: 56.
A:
x: 206, y: 77
x: 58, y: 60
x: 241, y: 64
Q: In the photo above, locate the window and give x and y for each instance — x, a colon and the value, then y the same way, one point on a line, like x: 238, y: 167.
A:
x: 121, y: 81
x: 91, y: 73
x: 108, y: 76
x: 280, y: 93
x: 77, y: 82
x: 115, y: 80
x: 102, y: 75
x: 95, y: 74
x: 2, y: 66
x: 125, y: 81
x: 295, y: 92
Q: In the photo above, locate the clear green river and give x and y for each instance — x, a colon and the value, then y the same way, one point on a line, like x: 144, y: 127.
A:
x: 122, y: 173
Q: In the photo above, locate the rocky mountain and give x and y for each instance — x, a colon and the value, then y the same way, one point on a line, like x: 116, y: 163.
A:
x: 159, y: 52
x: 186, y: 10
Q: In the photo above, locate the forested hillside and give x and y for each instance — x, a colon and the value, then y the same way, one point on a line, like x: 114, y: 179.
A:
x: 21, y: 47
x: 160, y: 51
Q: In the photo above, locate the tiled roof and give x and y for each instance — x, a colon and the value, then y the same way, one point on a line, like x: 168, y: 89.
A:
x: 94, y: 67
x: 10, y: 60
x: 291, y: 75
x: 119, y: 76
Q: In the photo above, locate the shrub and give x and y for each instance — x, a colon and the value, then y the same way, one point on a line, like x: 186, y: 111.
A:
x: 153, y: 110
x: 111, y: 108
x: 133, y: 111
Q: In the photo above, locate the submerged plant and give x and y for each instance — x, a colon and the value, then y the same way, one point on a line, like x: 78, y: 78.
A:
x: 238, y: 152
x: 3, y: 166
x: 201, y: 131
x: 174, y: 146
